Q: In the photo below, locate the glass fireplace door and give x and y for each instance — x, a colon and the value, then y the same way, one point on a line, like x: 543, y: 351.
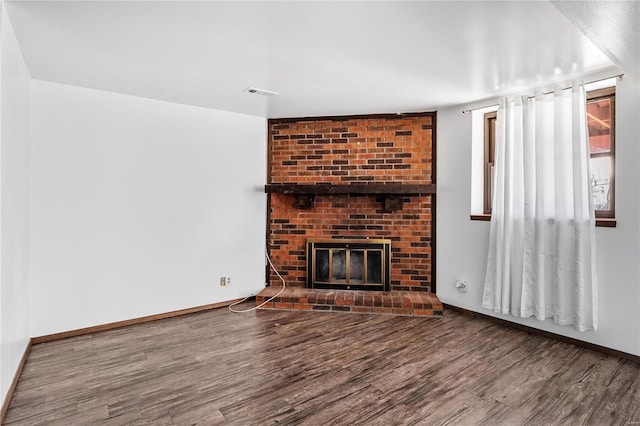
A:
x: 348, y: 264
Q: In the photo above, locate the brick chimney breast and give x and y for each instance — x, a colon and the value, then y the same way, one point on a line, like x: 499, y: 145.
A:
x: 376, y: 149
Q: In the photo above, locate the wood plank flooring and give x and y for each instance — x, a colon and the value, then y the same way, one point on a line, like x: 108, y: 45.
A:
x: 311, y: 368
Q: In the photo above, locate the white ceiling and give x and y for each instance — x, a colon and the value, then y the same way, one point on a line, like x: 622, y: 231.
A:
x: 324, y: 58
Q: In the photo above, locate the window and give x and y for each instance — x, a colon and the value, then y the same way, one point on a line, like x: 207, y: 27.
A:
x: 601, y: 127
x: 489, y: 158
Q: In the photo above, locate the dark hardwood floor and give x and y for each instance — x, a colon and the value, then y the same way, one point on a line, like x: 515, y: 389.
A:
x: 280, y: 367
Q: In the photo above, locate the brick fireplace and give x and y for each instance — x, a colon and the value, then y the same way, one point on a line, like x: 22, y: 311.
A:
x: 356, y: 177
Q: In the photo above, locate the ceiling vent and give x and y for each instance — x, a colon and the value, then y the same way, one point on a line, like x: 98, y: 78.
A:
x: 262, y: 92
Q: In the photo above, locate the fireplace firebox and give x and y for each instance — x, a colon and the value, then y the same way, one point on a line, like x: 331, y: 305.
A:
x: 348, y: 264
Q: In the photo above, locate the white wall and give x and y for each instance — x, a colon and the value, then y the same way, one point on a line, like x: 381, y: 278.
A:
x: 140, y: 206
x: 462, y: 243
x: 14, y: 204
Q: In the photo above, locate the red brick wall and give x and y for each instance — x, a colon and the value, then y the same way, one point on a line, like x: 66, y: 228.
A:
x: 356, y: 150
x: 372, y: 149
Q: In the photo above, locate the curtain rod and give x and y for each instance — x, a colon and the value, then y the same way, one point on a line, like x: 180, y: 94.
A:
x: 466, y: 111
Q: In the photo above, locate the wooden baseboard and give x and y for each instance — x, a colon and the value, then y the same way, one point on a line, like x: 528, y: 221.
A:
x: 14, y: 383
x: 581, y: 343
x: 118, y: 324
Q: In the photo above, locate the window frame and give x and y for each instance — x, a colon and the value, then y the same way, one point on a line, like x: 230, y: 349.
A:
x: 595, y: 96
x: 490, y: 121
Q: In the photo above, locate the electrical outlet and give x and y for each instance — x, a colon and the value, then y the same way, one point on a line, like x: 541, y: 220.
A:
x: 223, y: 281
x: 228, y: 281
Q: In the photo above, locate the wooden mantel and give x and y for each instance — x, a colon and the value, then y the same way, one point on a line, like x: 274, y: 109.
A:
x: 392, y: 192
x: 353, y: 188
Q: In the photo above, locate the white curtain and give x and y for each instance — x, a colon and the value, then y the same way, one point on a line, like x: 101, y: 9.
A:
x: 541, y: 258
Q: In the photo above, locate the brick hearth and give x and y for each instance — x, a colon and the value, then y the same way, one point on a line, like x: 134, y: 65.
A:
x: 408, y: 303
